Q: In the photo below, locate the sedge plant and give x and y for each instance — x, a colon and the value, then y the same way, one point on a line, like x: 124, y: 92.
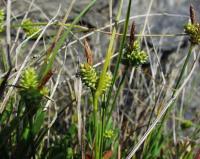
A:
x: 25, y: 131
x: 152, y: 148
x: 23, y: 126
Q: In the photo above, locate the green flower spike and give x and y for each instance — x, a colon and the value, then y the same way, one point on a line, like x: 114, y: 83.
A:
x: 2, y: 17
x: 193, y: 30
x: 29, y: 83
x: 108, y: 134
x: 88, y: 75
x: 29, y: 28
x: 44, y: 91
x: 106, y: 82
x: 29, y: 79
x: 135, y: 56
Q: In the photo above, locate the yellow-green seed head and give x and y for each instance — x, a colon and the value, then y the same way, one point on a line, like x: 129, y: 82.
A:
x: 108, y: 134
x: 29, y: 91
x: 136, y: 46
x: 2, y: 17
x: 29, y: 28
x: 186, y: 124
x: 88, y: 75
x: 135, y: 56
x: 44, y: 91
x: 106, y: 82
x: 29, y: 79
x: 193, y: 30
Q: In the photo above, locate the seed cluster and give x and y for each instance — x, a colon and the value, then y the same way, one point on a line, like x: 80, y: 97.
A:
x: 108, y: 134
x: 88, y: 75
x: 106, y: 82
x: 30, y: 28
x: 29, y: 79
x: 29, y: 83
x: 193, y: 30
x: 134, y: 56
x: 90, y: 78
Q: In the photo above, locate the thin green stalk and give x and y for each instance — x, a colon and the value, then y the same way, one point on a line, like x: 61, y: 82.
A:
x: 182, y: 70
x: 122, y: 44
x: 96, y: 125
x: 99, y: 89
x: 106, y: 64
x: 108, y: 55
x: 181, y: 75
x: 117, y: 93
x: 102, y: 126
x: 45, y: 23
x: 176, y: 86
x: 104, y: 71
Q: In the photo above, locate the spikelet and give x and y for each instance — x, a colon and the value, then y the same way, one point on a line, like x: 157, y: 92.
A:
x: 44, y: 91
x: 29, y: 91
x: 108, y: 134
x: 193, y: 30
x: 134, y: 56
x: 106, y: 82
x: 29, y: 28
x: 29, y: 79
x: 88, y: 75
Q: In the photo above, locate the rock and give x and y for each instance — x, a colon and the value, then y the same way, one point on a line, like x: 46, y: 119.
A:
x: 43, y: 9
x: 175, y: 14
x: 98, y: 16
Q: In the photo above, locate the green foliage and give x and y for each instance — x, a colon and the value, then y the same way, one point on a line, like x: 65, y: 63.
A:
x: 153, y: 145
x: 20, y: 131
x: 23, y: 128
x: 38, y: 121
x: 27, y: 130
x: 62, y: 147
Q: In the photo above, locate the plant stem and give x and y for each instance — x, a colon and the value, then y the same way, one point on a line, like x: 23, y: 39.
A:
x: 98, y: 92
x: 181, y: 75
x: 122, y: 44
x: 182, y: 70
x: 176, y: 86
x: 55, y: 24
x: 96, y: 129
x: 108, y: 54
x: 117, y: 93
x: 102, y: 127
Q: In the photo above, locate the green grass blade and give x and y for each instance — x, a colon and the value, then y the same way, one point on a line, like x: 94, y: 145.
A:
x: 122, y: 45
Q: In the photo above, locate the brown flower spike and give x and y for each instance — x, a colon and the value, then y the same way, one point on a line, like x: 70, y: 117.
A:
x: 193, y: 28
x: 88, y: 53
x: 192, y: 14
